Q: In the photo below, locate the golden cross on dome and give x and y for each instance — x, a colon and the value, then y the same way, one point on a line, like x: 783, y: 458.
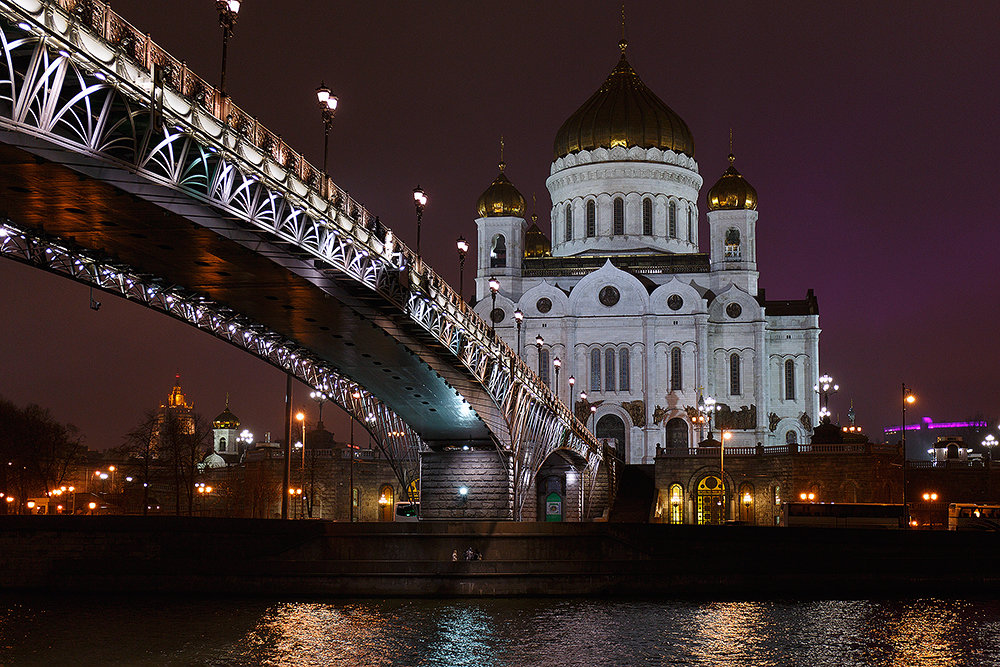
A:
x: 624, y: 43
x: 732, y: 158
x: 502, y: 163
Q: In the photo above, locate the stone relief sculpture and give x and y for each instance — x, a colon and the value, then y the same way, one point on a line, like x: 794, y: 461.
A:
x: 772, y: 421
x: 744, y: 418
x: 637, y: 411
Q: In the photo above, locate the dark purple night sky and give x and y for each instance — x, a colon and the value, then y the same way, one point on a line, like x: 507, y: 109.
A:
x: 869, y: 131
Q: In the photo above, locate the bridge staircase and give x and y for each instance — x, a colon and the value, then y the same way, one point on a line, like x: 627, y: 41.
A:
x: 636, y: 494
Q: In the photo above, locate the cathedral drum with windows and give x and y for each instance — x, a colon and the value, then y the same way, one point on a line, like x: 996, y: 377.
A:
x: 645, y: 322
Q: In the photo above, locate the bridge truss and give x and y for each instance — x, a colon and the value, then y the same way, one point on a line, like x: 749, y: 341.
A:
x: 78, y: 77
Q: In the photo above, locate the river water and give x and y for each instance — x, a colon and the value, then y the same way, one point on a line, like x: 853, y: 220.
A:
x: 109, y: 629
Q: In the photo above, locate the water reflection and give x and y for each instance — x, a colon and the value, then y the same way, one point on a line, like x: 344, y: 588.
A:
x: 497, y: 633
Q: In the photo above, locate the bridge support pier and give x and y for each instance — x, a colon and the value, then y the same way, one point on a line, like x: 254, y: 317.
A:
x: 485, y: 475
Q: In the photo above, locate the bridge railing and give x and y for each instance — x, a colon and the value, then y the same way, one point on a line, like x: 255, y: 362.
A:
x: 165, y: 70
x: 138, y: 46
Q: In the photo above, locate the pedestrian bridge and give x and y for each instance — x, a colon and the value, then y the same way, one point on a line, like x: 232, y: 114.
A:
x: 122, y: 169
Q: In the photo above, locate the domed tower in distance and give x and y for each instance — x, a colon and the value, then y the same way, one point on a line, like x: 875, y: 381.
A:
x: 225, y: 431
x: 501, y: 227
x: 732, y: 221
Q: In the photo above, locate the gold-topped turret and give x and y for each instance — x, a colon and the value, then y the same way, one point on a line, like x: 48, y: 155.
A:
x: 732, y: 192
x: 501, y: 198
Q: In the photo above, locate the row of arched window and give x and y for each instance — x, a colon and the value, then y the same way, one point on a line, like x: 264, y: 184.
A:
x: 618, y: 219
x: 610, y: 370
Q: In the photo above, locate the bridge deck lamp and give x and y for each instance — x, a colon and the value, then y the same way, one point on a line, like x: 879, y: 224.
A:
x: 463, y: 249
x: 419, y: 202
x: 518, y: 320
x: 539, y: 341
x: 328, y: 107
x: 593, y: 410
x: 494, y: 288
x: 557, y: 364
x: 229, y: 11
x: 572, y: 383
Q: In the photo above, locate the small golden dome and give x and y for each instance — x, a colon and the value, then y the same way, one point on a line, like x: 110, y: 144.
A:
x: 226, y: 420
x: 536, y: 244
x: 624, y: 112
x: 501, y: 199
x: 732, y: 192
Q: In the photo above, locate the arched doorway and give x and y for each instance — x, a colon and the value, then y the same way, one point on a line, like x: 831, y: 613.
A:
x: 611, y: 426
x: 710, y: 506
x: 676, y: 497
x: 677, y: 434
x: 385, y: 503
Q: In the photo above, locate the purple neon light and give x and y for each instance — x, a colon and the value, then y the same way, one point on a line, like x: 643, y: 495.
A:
x: 933, y: 424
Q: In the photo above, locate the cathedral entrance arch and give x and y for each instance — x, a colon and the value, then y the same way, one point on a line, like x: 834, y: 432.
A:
x: 711, y: 505
x: 612, y: 426
x: 677, y: 434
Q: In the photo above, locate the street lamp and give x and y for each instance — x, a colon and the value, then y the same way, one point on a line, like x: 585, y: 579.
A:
x: 494, y: 288
x: 301, y: 418
x: 463, y: 249
x: 229, y: 11
x: 824, y: 388
x: 708, y: 406
x: 593, y: 410
x: 557, y: 364
x: 356, y: 395
x: 572, y: 383
x: 539, y: 341
x: 518, y: 320
x: 328, y: 108
x: 419, y: 202
x: 989, y: 443
x: 908, y: 399
x: 320, y: 398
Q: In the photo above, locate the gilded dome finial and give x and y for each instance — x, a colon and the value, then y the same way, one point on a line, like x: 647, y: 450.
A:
x: 534, y: 208
x: 623, y: 44
x: 502, y: 163
x: 732, y: 158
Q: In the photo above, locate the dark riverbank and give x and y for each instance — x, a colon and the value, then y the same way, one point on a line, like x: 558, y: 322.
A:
x: 316, y: 558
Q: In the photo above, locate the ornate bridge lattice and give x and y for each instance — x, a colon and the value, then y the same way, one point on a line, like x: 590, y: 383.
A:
x: 77, y: 79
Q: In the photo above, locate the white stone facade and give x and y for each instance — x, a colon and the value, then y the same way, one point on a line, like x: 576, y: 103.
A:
x: 663, y: 302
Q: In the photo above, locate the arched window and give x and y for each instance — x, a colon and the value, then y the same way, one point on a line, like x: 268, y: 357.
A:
x: 791, y: 437
x: 543, y: 365
x: 672, y: 219
x: 789, y: 380
x: 595, y: 370
x: 677, y: 434
x: 498, y: 251
x: 591, y: 219
x: 609, y: 370
x: 569, y: 223
x: 624, y: 383
x: 222, y: 444
x: 619, y: 226
x: 676, y: 377
x: 734, y: 375
x: 690, y: 224
x: 747, y: 499
x: 611, y: 426
x: 733, y: 244
x: 676, y: 500
x: 647, y: 217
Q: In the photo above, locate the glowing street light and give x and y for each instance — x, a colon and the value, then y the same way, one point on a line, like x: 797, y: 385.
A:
x: 463, y: 249
x: 328, y: 108
x: 229, y: 11
x: 419, y: 202
x: 824, y: 388
x: 989, y: 442
x: 518, y: 320
x: 494, y: 288
x: 908, y: 399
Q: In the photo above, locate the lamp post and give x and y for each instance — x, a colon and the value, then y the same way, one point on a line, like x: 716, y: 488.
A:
x: 518, y: 320
x: 419, y: 202
x: 824, y: 388
x: 328, y: 107
x: 557, y: 364
x: 463, y: 249
x: 989, y: 443
x: 301, y: 418
x: 908, y: 398
x: 707, y: 406
x: 593, y: 411
x: 356, y: 395
x: 320, y: 399
x: 229, y: 11
x: 539, y: 341
x: 723, y: 436
x: 494, y: 288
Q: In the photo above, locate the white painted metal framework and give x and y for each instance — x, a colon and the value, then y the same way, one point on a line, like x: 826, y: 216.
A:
x: 79, y: 77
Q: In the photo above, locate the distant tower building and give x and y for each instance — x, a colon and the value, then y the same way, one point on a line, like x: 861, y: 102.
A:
x: 225, y: 431
x: 176, y: 413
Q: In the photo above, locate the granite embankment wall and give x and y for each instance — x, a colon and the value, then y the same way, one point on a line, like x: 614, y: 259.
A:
x: 317, y: 558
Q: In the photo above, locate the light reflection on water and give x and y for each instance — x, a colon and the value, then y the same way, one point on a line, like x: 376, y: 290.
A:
x: 496, y: 633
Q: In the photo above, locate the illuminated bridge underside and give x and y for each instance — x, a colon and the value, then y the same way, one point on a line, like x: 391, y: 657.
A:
x: 114, y: 157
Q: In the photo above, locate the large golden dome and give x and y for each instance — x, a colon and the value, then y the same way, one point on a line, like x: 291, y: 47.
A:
x: 732, y: 192
x: 624, y: 112
x: 501, y: 199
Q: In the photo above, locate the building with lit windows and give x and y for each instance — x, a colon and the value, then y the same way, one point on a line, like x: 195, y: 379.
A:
x: 626, y: 299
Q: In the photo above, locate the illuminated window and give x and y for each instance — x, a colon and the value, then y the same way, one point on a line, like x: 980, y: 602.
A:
x: 619, y: 226
x: 675, y: 369
x: 595, y: 370
x: 498, y: 251
x: 624, y: 383
x: 746, y: 500
x: 733, y: 244
x: 591, y: 219
x: 672, y: 219
x: 647, y: 217
x: 734, y: 375
x: 609, y: 370
x: 789, y: 380
x: 569, y: 222
x: 676, y: 500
